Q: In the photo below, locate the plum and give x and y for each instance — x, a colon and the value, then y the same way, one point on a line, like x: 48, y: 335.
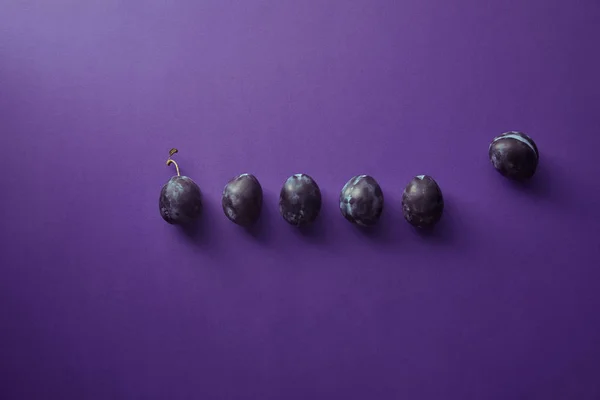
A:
x: 300, y: 200
x: 242, y: 199
x: 422, y: 202
x: 180, y: 201
x: 515, y: 155
x: 361, y: 200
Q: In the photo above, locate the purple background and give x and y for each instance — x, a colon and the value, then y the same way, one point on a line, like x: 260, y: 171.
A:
x: 101, y: 299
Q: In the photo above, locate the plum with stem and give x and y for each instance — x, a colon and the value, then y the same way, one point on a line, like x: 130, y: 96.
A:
x: 180, y: 201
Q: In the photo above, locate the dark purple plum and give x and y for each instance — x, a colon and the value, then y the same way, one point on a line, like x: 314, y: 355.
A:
x: 422, y: 202
x: 515, y: 155
x: 361, y: 200
x: 180, y: 201
x: 300, y: 200
x: 242, y: 199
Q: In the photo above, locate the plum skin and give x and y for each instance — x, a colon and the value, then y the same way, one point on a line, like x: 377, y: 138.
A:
x: 422, y: 202
x: 514, y: 155
x: 361, y: 201
x: 242, y: 199
x: 300, y: 200
x: 180, y: 201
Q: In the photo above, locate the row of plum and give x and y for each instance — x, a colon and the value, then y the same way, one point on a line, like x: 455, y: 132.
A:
x: 513, y: 154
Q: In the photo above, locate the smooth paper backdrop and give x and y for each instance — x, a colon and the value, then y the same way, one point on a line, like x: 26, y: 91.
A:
x: 101, y: 299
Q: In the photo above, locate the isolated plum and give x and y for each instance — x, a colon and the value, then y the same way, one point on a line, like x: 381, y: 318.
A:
x: 300, y: 200
x: 180, y: 201
x: 422, y: 202
x: 361, y: 200
x: 242, y: 199
x: 515, y: 155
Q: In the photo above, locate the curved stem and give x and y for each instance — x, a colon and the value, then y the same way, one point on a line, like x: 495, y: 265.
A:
x: 171, y: 161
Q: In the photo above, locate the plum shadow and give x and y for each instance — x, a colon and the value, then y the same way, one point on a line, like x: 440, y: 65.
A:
x: 550, y: 184
x: 313, y: 232
x: 539, y: 184
x: 260, y: 229
x: 316, y: 231
x: 199, y: 231
x: 445, y: 231
x: 547, y: 181
x: 384, y: 230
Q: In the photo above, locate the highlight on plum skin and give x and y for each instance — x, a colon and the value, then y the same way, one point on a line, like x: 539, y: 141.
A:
x: 361, y: 201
